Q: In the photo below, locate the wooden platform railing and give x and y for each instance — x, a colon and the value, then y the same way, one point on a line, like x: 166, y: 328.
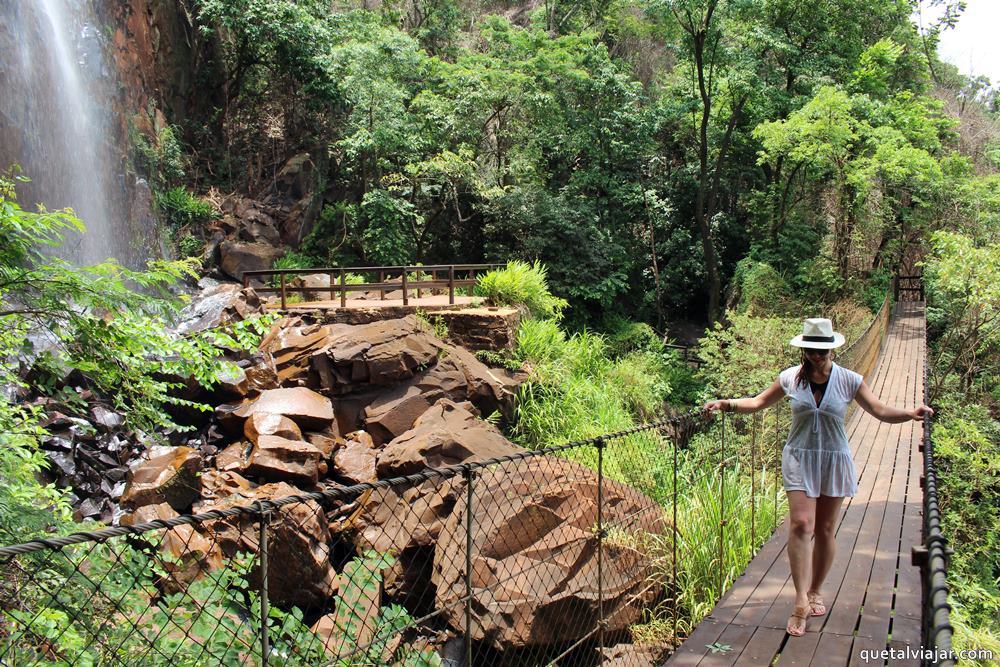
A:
x: 389, y: 278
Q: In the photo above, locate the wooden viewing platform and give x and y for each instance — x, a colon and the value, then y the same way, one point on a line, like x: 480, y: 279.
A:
x: 872, y: 592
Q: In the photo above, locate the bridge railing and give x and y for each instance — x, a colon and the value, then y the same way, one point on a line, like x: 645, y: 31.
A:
x: 611, y: 548
x: 340, y: 281
x: 932, y: 555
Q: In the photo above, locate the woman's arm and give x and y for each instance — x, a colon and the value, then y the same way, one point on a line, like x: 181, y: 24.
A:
x: 867, y: 400
x: 764, y: 399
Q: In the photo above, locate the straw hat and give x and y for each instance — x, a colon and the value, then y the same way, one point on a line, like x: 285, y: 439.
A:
x: 818, y: 334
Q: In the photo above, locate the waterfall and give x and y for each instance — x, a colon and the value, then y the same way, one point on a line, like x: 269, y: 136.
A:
x: 58, y: 122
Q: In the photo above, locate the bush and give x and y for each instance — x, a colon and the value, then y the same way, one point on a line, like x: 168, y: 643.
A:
x: 521, y: 284
x: 181, y: 209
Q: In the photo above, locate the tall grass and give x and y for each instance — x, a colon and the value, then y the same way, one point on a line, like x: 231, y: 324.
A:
x: 521, y: 284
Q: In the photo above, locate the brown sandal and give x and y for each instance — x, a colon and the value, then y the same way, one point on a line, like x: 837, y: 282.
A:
x: 816, y: 605
x: 800, y: 613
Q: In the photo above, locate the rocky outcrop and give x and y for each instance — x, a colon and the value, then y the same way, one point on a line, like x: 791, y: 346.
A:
x: 534, y: 553
x: 298, y: 539
x: 171, y: 478
x: 236, y: 257
x: 274, y: 458
x: 299, y: 404
x: 189, y: 553
x: 218, y: 304
x: 458, y: 376
x: 447, y: 434
x: 355, y: 461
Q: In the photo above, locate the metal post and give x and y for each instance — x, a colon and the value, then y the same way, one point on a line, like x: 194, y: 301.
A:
x: 673, y: 546
x: 343, y: 288
x: 722, y: 503
x: 451, y: 285
x: 265, y: 640
x: 599, y: 443
x: 469, y: 483
x: 282, y: 290
x: 405, y: 300
x: 332, y: 288
x: 381, y: 279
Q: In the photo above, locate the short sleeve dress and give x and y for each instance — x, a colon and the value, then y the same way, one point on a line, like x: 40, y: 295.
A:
x: 817, y: 457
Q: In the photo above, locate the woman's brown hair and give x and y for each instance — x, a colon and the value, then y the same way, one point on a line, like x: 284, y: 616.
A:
x: 805, y: 371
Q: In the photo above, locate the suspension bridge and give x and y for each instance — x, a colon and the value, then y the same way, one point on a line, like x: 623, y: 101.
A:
x: 551, y: 547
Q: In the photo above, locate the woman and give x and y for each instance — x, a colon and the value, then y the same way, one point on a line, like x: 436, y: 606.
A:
x: 816, y: 462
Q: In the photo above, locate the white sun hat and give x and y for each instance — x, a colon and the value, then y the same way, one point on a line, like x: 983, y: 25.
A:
x: 818, y: 334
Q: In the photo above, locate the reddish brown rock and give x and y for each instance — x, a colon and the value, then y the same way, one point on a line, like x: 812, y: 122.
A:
x: 264, y: 423
x: 325, y: 441
x: 298, y: 538
x: 534, y: 554
x: 234, y: 457
x: 457, y: 376
x: 446, y: 434
x: 303, y: 406
x: 216, y: 484
x: 279, y: 459
x: 170, y: 478
x: 493, y: 329
x: 191, y: 553
x: 407, y: 520
x: 343, y: 358
x: 355, y: 461
x: 237, y: 257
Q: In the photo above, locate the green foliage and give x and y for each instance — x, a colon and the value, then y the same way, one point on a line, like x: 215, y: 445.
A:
x: 362, y: 584
x: 109, y: 324
x: 182, y: 209
x: 521, y: 284
x: 162, y: 161
x: 762, y: 290
x: 744, y: 358
x: 966, y: 444
x: 963, y: 283
x: 577, y: 390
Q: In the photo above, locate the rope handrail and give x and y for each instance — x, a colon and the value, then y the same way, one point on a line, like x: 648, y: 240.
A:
x: 932, y: 555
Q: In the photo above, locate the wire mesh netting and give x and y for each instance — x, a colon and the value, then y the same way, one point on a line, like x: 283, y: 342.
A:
x: 606, y: 551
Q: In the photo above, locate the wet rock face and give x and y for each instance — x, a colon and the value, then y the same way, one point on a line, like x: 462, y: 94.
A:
x: 170, y: 478
x: 535, y: 554
x: 219, y: 304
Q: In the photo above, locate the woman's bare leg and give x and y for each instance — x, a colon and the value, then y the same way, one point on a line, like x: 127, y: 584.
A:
x: 825, y: 543
x: 801, y: 526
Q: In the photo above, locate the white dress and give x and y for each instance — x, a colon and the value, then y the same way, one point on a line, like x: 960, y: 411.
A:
x: 817, y: 457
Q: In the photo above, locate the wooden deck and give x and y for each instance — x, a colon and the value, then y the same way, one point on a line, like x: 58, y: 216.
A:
x: 872, y: 592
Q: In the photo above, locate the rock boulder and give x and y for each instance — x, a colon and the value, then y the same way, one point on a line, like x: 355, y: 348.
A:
x: 303, y: 406
x: 297, y: 538
x: 534, y: 558
x: 170, y: 477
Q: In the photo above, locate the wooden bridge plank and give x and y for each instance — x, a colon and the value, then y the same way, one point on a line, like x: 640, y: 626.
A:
x: 761, y: 648
x: 882, y: 581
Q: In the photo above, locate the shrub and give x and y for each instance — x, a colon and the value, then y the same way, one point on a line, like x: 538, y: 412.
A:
x: 180, y: 208
x: 521, y: 284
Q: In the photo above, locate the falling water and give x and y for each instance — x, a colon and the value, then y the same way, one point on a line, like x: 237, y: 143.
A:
x: 57, y: 122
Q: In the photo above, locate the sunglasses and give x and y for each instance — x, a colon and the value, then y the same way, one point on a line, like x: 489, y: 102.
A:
x: 815, y: 353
